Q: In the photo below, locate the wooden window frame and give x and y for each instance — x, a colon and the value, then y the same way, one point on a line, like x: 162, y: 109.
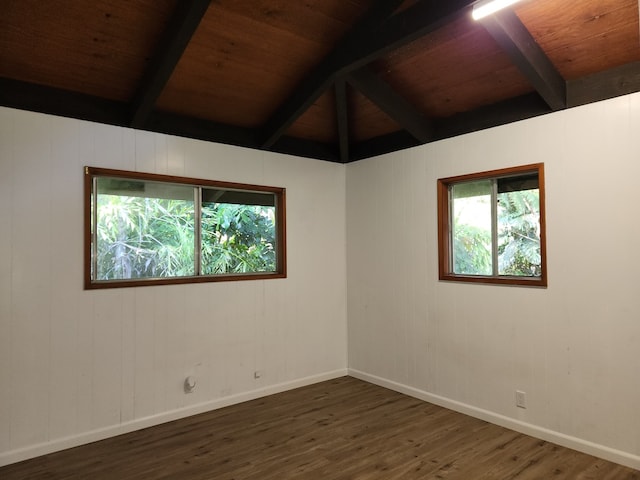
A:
x: 445, y: 228
x: 281, y: 248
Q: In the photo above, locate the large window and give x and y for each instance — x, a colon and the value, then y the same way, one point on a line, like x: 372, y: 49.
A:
x: 491, y: 227
x: 143, y: 229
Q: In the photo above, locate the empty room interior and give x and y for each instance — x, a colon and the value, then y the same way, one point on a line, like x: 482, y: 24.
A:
x: 381, y: 239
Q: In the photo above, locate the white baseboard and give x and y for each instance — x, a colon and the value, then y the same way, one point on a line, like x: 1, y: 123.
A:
x: 18, y: 455
x: 597, y: 450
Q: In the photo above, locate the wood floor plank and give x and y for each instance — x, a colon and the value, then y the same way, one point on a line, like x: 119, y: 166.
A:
x: 336, y: 430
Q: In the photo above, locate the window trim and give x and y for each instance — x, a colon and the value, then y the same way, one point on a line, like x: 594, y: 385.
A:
x: 281, y: 238
x: 444, y: 228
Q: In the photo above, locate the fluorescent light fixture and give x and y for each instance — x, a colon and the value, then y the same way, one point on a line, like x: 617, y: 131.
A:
x: 488, y: 7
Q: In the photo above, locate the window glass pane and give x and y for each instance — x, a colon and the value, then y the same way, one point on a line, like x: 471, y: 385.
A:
x: 238, y: 232
x: 144, y: 229
x: 519, y: 233
x: 471, y: 227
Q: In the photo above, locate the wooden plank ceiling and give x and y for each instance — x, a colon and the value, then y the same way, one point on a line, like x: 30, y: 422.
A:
x: 335, y: 80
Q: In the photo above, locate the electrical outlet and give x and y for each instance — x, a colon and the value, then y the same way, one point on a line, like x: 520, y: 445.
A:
x: 521, y: 399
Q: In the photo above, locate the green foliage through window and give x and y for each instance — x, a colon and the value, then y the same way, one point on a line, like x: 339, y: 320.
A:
x: 493, y: 226
x: 237, y: 238
x: 144, y: 228
x: 519, y: 233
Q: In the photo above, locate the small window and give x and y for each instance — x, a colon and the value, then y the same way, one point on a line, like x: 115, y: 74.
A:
x: 491, y: 227
x: 144, y: 229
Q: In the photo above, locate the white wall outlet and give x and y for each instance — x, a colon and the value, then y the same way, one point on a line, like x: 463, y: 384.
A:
x: 521, y: 399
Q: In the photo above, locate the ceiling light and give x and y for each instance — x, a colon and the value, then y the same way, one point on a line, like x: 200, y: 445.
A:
x: 487, y: 7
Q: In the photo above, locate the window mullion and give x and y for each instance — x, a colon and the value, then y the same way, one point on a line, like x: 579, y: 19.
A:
x: 197, y: 225
x: 494, y: 227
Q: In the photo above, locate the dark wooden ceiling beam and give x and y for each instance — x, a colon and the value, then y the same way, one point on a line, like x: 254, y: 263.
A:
x: 371, y: 38
x: 615, y: 82
x: 184, y: 22
x: 306, y: 148
x: 342, y: 118
x: 388, y: 143
x: 320, y: 78
x: 501, y: 113
x: 64, y: 103
x: 415, y: 22
x: 175, y: 124
x: 514, y: 38
x: 391, y: 103
x: 209, y: 131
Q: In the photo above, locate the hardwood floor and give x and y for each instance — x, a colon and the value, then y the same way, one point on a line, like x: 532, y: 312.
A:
x: 340, y: 429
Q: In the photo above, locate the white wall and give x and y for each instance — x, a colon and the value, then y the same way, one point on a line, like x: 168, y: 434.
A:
x: 573, y: 347
x: 79, y: 365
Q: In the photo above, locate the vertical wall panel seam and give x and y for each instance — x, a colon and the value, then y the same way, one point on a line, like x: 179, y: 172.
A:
x: 12, y: 214
x: 48, y: 121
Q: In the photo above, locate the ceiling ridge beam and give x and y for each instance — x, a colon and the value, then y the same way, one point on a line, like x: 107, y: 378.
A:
x: 391, y: 103
x: 342, y: 118
x: 517, y: 42
x: 371, y: 38
x: 184, y: 22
